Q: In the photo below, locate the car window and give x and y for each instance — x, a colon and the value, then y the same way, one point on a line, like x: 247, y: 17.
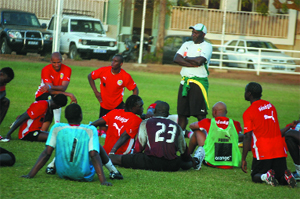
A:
x: 178, y: 42
x: 169, y: 42
x: 64, y: 25
x: 86, y: 26
x: 241, y: 44
x: 231, y: 45
x: 23, y: 19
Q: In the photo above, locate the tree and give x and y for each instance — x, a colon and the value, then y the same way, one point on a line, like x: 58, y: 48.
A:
x: 288, y: 4
x: 161, y: 29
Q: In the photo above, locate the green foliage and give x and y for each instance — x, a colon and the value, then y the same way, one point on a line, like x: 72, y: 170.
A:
x: 207, y: 183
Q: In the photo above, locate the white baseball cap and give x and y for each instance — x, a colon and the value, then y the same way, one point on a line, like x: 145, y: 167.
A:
x: 199, y: 27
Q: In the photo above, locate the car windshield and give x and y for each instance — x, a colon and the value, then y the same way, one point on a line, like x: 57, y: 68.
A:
x: 20, y: 18
x: 86, y: 26
x: 261, y: 44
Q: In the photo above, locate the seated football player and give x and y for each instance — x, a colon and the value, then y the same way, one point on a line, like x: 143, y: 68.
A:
x: 217, y: 139
x: 156, y: 146
x: 72, y: 139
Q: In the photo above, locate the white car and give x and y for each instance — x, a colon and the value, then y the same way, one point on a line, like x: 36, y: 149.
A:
x: 84, y: 36
x: 243, y: 51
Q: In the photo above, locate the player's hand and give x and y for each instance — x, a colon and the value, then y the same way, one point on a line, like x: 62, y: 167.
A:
x: 106, y: 183
x: 244, y: 166
x: 98, y: 96
x: 44, y: 88
x: 73, y: 98
x: 26, y: 176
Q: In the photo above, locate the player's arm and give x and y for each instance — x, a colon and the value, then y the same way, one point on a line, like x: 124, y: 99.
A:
x: 179, y: 59
x: 99, y: 122
x: 17, y: 123
x: 93, y: 86
x: 122, y: 140
x: 44, y: 157
x: 135, y: 91
x: 246, y: 147
x: 57, y: 89
x: 96, y: 161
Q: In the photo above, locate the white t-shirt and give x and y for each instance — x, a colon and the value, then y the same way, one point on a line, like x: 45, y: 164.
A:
x: 203, y: 49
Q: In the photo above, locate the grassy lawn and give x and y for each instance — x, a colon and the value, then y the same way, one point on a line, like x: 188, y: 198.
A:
x: 206, y: 183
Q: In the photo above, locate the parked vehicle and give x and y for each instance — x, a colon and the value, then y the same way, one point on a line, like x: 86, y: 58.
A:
x: 132, y: 47
x: 84, y: 36
x: 21, y: 32
x: 173, y: 43
x: 248, y: 51
x: 129, y: 54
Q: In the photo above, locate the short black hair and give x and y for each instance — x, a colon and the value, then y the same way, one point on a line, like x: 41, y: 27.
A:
x: 9, y: 72
x: 132, y: 101
x: 162, y: 109
x: 255, y: 89
x: 73, y: 112
x: 60, y: 100
x: 121, y: 57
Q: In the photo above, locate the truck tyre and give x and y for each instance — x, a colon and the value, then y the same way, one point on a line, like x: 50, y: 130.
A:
x: 5, y: 49
x: 73, y: 52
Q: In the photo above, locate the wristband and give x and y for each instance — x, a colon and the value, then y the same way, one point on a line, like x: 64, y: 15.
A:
x: 49, y: 87
x: 111, y: 153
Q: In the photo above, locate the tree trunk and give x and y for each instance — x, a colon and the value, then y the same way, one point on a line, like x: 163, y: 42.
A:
x: 161, y: 29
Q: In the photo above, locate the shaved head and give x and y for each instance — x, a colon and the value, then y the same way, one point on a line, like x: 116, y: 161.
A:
x: 219, y: 109
x: 162, y: 109
x: 56, y: 55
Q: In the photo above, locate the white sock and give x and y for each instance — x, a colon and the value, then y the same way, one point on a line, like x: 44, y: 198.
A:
x: 57, y: 113
x: 110, y: 167
x: 297, y: 168
x: 263, y: 177
x: 51, y: 164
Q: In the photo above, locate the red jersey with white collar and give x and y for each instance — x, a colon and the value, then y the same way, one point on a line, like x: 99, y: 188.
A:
x: 118, y: 121
x: 49, y: 75
x: 112, y: 86
x: 36, y: 112
x: 222, y: 122
x: 261, y: 118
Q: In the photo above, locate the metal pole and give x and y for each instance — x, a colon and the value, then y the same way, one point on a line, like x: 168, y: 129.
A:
x: 142, y: 32
x: 57, y: 25
x: 223, y: 32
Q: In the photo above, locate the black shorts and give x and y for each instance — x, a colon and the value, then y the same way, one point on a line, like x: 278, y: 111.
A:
x: 193, y: 104
x: 32, y: 136
x: 104, y: 111
x: 49, y: 113
x: 262, y: 166
x: 145, y: 162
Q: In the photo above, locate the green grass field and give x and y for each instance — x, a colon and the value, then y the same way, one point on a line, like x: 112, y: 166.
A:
x: 206, y: 183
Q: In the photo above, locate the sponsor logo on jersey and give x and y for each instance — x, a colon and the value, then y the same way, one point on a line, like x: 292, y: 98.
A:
x: 120, y: 82
x: 222, y: 122
x: 61, y: 75
x: 223, y: 158
x: 264, y: 107
x: 121, y: 119
x: 199, y: 50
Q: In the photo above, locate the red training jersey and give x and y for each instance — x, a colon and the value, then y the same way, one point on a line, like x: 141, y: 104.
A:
x: 261, y: 119
x: 36, y: 112
x: 222, y: 122
x: 112, y: 86
x: 49, y: 75
x: 118, y: 121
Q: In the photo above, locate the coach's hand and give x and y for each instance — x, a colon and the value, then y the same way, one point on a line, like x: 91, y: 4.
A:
x: 106, y: 183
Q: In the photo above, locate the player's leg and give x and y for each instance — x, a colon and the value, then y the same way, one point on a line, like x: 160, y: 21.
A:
x: 4, y: 105
x: 292, y: 139
x: 198, y: 107
x: 183, y: 109
x: 57, y: 114
x: 42, y: 136
x: 106, y: 161
x: 262, y: 172
x: 36, y: 136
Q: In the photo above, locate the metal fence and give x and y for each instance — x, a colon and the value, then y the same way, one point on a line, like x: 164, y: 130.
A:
x: 286, y: 61
x: 237, y: 23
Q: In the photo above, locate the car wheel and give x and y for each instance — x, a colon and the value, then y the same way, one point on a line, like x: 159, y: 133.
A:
x: 73, y: 52
x: 5, y: 49
x: 250, y: 66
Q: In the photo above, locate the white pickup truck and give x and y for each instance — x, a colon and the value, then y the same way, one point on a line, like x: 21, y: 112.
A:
x: 84, y: 36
